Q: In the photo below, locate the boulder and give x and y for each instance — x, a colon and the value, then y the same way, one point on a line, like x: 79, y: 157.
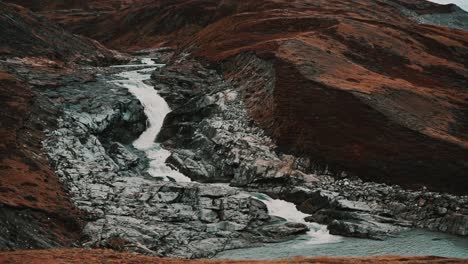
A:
x: 363, y: 229
x: 122, y: 156
x: 282, y: 231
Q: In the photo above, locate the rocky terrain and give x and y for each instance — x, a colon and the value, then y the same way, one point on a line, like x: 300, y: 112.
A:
x: 443, y: 15
x: 127, y: 207
x: 87, y: 140
x: 35, y: 208
x: 213, y: 139
x: 354, y: 111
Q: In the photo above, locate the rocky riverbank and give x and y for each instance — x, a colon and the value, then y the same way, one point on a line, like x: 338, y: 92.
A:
x: 125, y: 207
x: 214, y: 140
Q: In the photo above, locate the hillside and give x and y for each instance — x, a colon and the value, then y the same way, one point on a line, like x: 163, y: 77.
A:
x: 183, y: 129
x: 35, y: 209
x: 358, y: 87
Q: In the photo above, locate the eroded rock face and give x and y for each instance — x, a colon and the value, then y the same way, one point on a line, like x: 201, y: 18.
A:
x: 449, y: 15
x: 35, y: 211
x: 306, y: 117
x: 211, y: 134
x: 348, y: 87
x: 342, y: 94
x: 182, y: 220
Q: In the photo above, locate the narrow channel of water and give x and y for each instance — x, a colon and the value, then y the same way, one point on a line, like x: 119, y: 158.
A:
x: 318, y: 233
x: 156, y: 110
x: 317, y: 242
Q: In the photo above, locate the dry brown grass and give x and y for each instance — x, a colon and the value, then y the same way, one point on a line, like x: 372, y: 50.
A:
x: 82, y: 256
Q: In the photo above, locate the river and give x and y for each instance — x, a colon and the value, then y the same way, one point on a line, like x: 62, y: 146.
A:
x: 317, y: 242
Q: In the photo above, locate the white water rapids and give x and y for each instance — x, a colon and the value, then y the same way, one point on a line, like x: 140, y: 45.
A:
x: 318, y: 233
x: 156, y: 110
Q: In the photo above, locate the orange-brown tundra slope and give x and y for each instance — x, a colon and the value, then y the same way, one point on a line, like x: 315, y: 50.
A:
x: 35, y: 209
x: 79, y: 256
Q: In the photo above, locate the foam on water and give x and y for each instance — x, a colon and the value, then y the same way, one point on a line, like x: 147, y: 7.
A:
x: 156, y: 109
x: 318, y: 233
x: 144, y: 63
x: 148, y: 61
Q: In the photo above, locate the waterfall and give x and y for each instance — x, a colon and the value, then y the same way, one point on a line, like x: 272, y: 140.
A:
x: 156, y: 109
x: 318, y: 233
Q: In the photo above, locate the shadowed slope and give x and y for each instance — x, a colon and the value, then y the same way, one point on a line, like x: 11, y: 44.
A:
x: 362, y: 89
x: 35, y: 210
x: 29, y: 35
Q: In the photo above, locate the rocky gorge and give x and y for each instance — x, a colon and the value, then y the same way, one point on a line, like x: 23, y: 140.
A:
x: 210, y: 134
x: 253, y: 146
x: 127, y: 208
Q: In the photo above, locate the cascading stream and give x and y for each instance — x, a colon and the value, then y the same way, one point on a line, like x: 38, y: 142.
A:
x: 319, y: 233
x: 156, y: 110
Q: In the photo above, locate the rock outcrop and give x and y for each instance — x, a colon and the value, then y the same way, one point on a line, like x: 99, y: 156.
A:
x: 426, y: 12
x: 210, y: 133
x: 367, y: 210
